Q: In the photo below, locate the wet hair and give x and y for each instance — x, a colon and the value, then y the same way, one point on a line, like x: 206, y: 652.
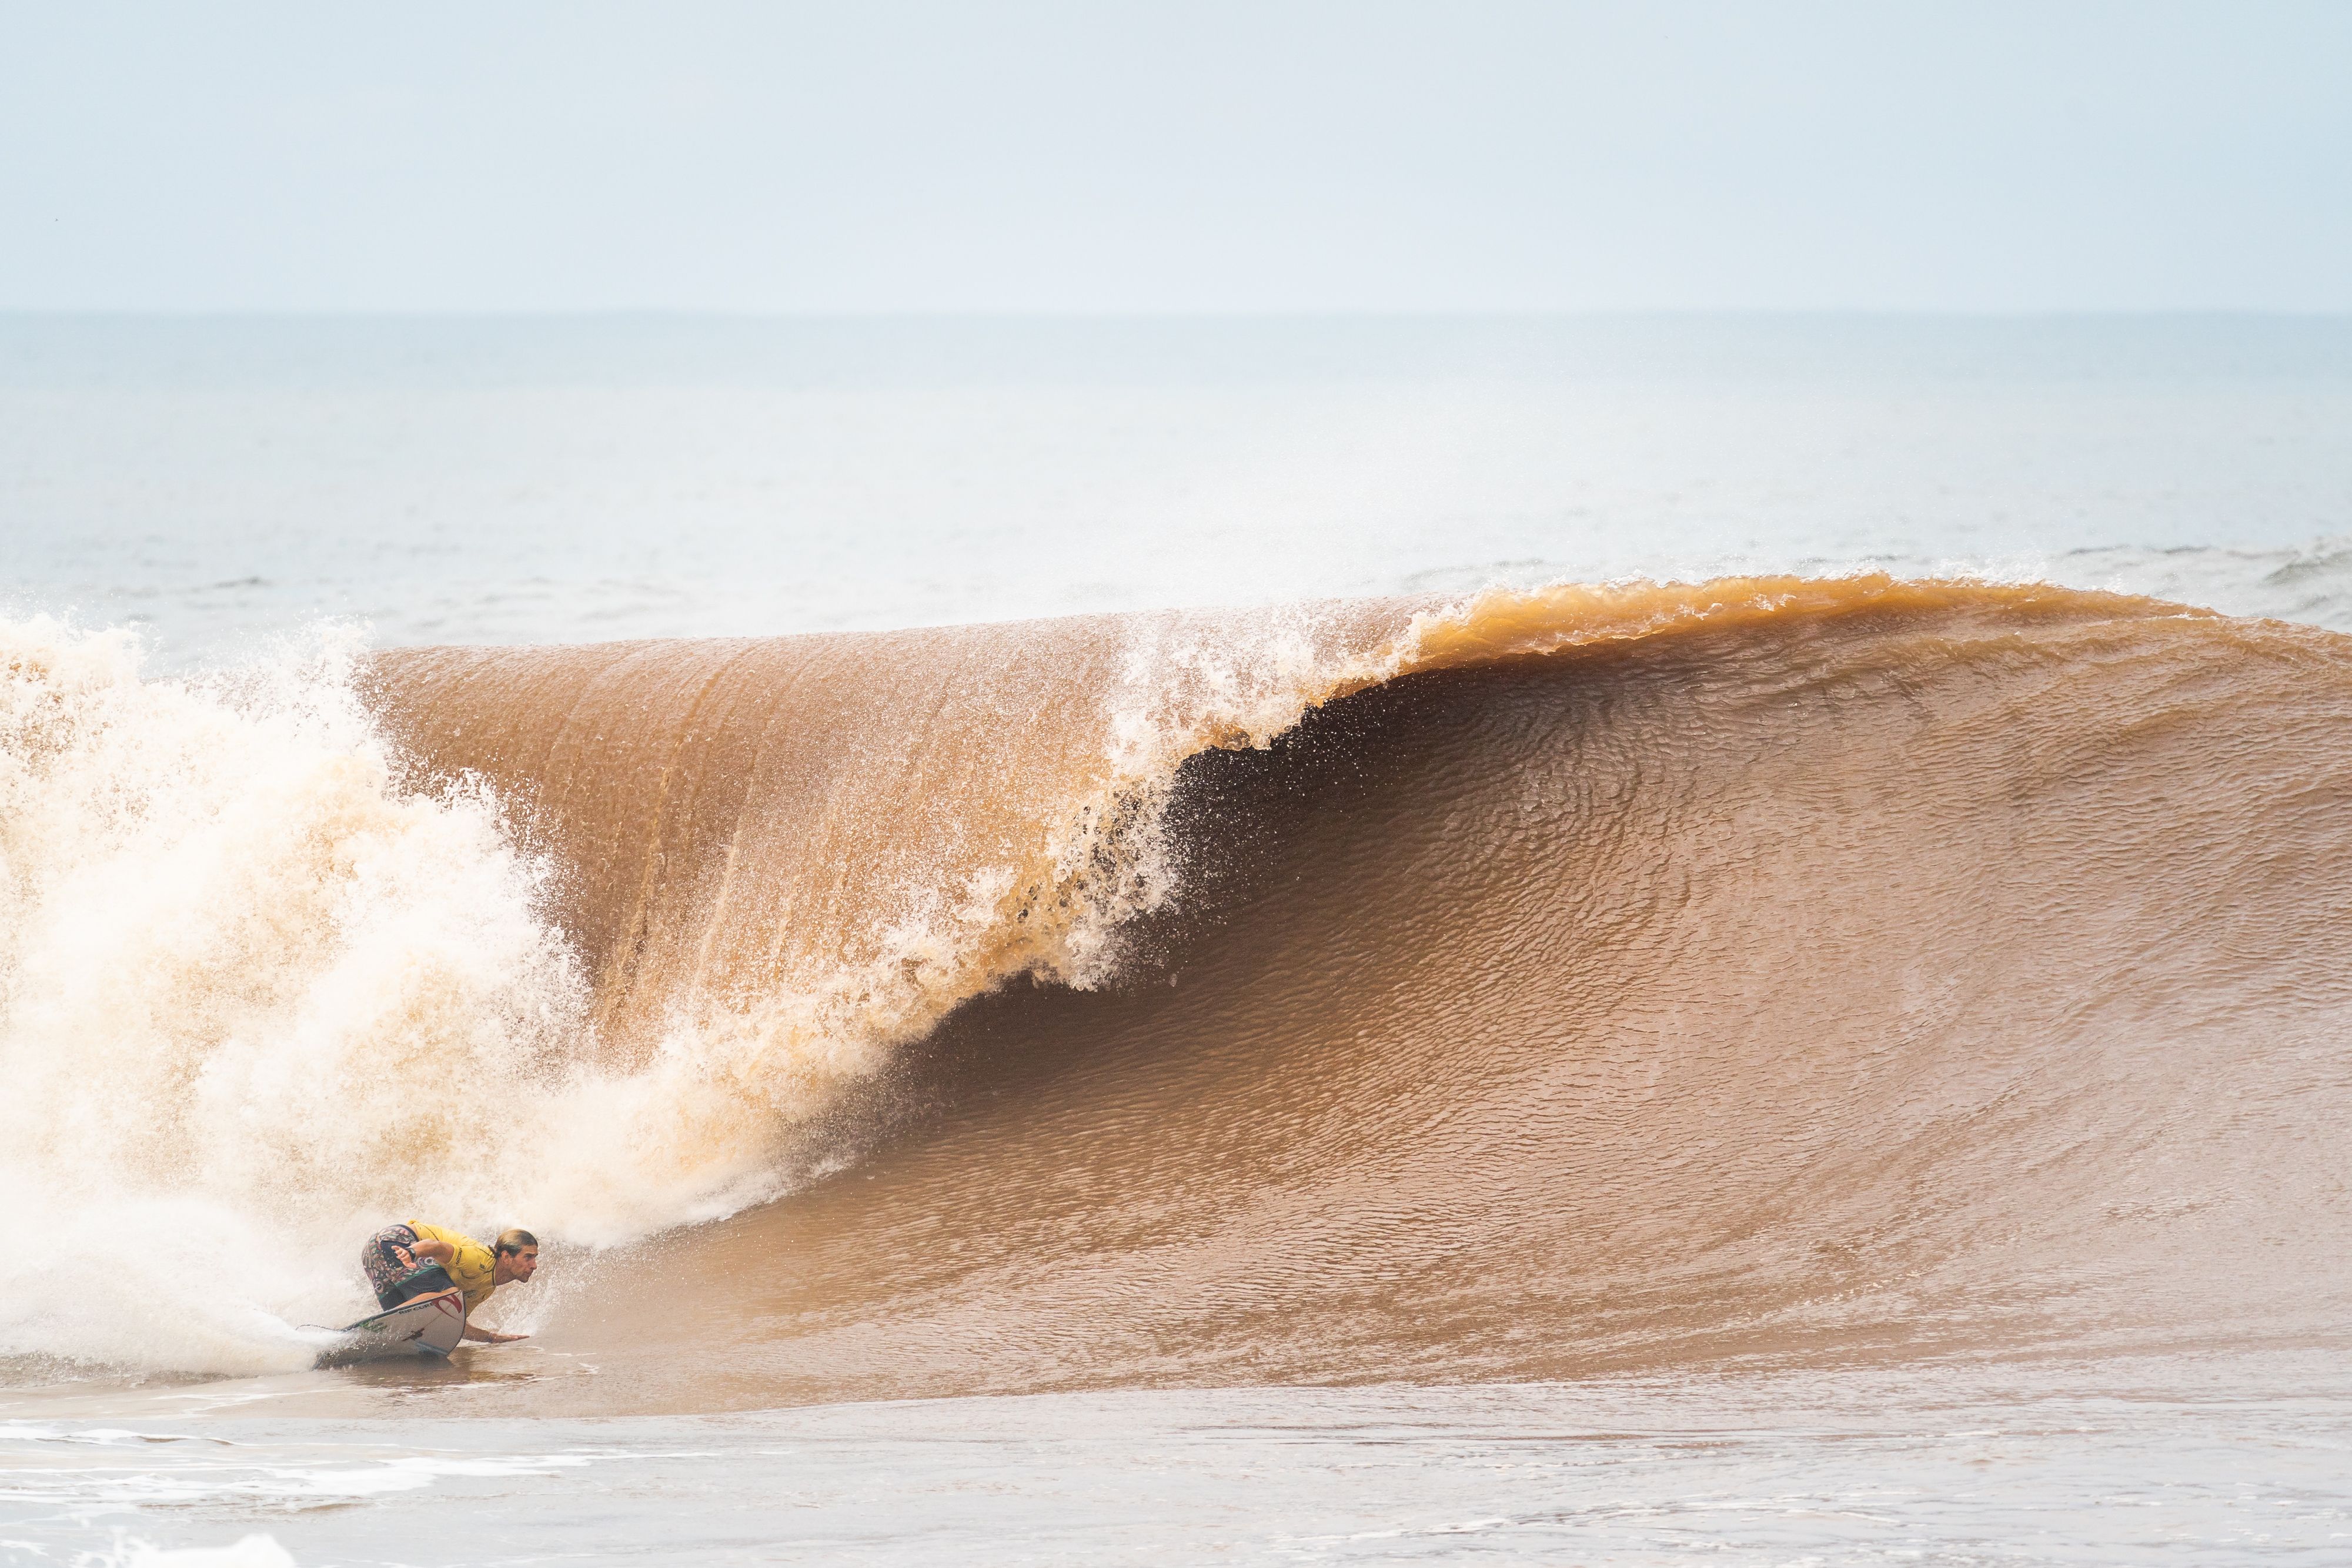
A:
x: 516, y: 1241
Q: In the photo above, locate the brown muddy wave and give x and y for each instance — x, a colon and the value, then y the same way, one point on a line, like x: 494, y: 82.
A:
x: 1593, y: 979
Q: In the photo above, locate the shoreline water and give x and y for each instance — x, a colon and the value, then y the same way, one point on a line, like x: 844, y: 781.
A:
x: 2197, y: 1459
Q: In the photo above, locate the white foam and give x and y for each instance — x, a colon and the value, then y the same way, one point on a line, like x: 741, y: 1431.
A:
x: 257, y: 998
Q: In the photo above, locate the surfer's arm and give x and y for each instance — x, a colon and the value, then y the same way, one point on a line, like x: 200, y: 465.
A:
x: 438, y: 1251
x: 487, y: 1337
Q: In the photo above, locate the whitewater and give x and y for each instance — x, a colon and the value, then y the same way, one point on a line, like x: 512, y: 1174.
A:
x: 1717, y: 897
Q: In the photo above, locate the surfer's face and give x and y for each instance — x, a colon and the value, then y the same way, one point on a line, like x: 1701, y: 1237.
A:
x: 520, y: 1265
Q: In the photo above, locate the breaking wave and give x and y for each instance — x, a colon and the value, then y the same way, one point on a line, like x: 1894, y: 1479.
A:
x: 1583, y: 977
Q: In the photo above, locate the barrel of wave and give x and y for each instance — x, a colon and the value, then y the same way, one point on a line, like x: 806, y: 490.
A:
x: 796, y: 853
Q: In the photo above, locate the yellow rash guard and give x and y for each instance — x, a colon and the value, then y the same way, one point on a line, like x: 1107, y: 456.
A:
x: 470, y: 1269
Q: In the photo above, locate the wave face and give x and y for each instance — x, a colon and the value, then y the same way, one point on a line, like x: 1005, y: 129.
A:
x: 1558, y: 982
x: 1551, y: 982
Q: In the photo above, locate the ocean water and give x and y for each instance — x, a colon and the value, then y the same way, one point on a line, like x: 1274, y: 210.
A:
x: 519, y: 481
x: 1166, y: 941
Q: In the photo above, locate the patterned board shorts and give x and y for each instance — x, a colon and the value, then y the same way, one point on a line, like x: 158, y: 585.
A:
x: 398, y: 1274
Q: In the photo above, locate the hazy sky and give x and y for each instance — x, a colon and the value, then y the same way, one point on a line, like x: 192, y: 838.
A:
x: 866, y: 156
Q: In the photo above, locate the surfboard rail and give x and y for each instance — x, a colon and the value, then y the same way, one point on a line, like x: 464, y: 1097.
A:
x: 423, y: 1325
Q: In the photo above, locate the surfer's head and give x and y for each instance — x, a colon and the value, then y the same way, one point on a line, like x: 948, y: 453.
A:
x: 518, y: 1256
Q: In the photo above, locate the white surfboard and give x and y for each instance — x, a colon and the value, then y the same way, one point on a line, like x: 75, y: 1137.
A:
x: 428, y: 1325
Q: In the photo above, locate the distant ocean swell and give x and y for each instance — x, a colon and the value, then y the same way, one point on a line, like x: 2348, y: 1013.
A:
x: 1509, y: 986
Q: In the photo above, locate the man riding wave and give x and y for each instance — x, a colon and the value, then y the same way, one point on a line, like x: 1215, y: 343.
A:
x: 405, y: 1261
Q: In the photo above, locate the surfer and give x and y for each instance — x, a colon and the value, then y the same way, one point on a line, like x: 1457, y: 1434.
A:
x: 404, y: 1261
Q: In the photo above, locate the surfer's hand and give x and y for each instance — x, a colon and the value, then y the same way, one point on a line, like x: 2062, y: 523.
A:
x: 490, y: 1336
